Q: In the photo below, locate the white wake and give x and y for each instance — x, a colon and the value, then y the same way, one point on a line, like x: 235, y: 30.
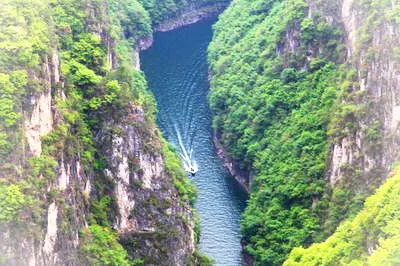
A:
x: 189, y: 163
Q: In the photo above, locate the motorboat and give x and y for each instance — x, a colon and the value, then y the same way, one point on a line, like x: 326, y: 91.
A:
x: 192, y: 171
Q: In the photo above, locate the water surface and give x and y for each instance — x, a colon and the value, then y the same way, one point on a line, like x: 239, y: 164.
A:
x: 176, y: 69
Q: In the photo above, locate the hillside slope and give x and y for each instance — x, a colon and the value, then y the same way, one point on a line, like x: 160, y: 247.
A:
x: 304, y: 94
x: 86, y: 177
x: 371, y: 238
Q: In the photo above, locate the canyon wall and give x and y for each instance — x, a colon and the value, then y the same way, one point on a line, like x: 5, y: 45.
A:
x: 370, y: 147
x: 305, y: 96
x: 89, y: 162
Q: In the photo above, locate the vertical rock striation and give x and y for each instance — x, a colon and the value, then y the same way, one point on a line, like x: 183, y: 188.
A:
x: 153, y: 221
x: 372, y: 35
x: 316, y: 157
x: 150, y: 218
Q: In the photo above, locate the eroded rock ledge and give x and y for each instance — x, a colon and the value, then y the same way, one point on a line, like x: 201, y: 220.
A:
x: 241, y: 176
x: 191, y: 14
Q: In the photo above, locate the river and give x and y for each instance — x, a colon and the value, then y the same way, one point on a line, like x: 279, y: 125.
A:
x: 176, y: 69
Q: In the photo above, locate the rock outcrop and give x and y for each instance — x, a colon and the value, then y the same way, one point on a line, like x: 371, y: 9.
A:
x: 152, y: 220
x: 53, y: 238
x: 190, y: 14
x: 322, y: 153
x: 149, y: 213
x: 372, y: 146
x: 243, y: 177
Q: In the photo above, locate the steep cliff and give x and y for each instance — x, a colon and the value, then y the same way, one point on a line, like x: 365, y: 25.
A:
x: 274, y: 81
x: 304, y: 94
x: 368, y: 145
x: 84, y: 169
x: 365, y: 142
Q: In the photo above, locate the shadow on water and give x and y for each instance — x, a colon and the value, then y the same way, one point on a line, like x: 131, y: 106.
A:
x: 176, y: 69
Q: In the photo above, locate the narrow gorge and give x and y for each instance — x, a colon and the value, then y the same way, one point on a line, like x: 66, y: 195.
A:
x: 177, y: 72
x: 199, y: 132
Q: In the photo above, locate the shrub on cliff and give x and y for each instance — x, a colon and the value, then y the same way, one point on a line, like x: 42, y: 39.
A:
x: 371, y: 238
x: 12, y: 203
x: 100, y: 246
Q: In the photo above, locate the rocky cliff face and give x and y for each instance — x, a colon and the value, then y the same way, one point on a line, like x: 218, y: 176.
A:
x: 190, y: 14
x: 305, y: 94
x: 47, y: 240
x: 243, y: 177
x: 39, y: 122
x: 150, y: 216
x: 371, y: 148
x: 152, y: 220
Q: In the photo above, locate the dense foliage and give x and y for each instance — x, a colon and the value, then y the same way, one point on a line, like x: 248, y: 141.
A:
x: 371, y: 238
x: 282, y: 93
x: 275, y: 79
x: 11, y: 202
x: 132, y: 18
x: 99, y: 84
x: 100, y: 246
x: 23, y: 40
x: 97, y: 95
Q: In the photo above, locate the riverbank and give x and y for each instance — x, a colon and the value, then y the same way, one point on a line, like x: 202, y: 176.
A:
x: 241, y: 176
x: 189, y: 15
x: 177, y: 72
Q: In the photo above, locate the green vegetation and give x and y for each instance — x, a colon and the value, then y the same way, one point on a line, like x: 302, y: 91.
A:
x: 99, y: 85
x: 371, y: 238
x: 272, y: 95
x: 276, y: 75
x: 101, y: 247
x: 281, y: 96
x: 100, y: 209
x: 97, y: 94
x: 200, y: 259
x: 283, y: 193
x: 23, y: 41
x: 11, y: 202
x: 12, y: 88
x: 132, y: 18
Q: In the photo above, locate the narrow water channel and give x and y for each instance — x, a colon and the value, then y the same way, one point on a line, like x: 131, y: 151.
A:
x: 176, y: 69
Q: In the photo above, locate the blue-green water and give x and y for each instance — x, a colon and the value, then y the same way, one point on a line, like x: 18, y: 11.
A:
x: 176, y: 69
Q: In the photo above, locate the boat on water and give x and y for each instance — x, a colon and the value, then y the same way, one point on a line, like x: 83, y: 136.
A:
x: 192, y: 171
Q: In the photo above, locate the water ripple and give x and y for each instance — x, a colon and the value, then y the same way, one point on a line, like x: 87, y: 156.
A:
x: 176, y: 68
